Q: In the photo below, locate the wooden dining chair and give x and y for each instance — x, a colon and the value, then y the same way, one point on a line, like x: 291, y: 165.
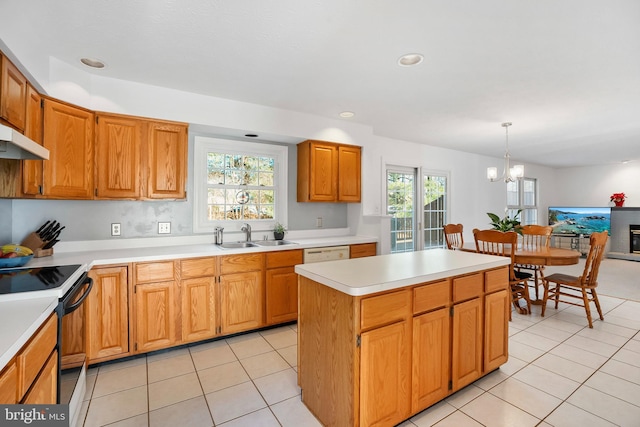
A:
x: 535, y: 237
x: 581, y: 288
x: 453, y: 236
x: 494, y: 242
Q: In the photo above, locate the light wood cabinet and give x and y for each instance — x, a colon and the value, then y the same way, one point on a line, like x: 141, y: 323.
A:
x: 385, y: 358
x: 199, y: 313
x: 68, y: 135
x: 13, y: 94
x: 377, y: 360
x: 9, y: 384
x: 166, y: 160
x: 32, y: 179
x: 156, y: 305
x: 362, y: 250
x: 118, y: 145
x: 281, y: 283
x: 241, y: 292
x: 139, y: 158
x: 74, y: 343
x: 45, y: 388
x: 328, y: 172
x: 107, y: 314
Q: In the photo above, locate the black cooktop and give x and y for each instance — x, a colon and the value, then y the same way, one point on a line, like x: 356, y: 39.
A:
x: 13, y: 280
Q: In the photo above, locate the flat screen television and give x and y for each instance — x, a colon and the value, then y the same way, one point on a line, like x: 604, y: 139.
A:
x: 579, y: 220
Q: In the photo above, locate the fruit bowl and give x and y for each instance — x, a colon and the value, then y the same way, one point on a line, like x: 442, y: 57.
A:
x: 18, y: 261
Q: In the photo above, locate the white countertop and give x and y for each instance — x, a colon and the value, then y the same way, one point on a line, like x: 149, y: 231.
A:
x: 364, y: 276
x: 21, y: 314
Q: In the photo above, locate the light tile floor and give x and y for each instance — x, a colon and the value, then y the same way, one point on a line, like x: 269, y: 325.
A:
x: 560, y: 373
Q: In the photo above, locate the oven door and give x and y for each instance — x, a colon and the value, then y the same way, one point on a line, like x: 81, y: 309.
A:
x: 72, y: 347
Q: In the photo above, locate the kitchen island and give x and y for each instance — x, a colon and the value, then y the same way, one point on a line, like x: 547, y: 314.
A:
x: 382, y: 338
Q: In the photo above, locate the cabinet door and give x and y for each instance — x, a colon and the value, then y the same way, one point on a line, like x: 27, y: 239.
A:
x: 385, y: 375
x: 467, y: 343
x: 68, y: 135
x: 74, y: 344
x: 108, y: 314
x: 166, y: 160
x: 430, y: 377
x: 13, y: 94
x: 362, y: 250
x: 32, y: 169
x: 45, y: 388
x: 324, y: 172
x: 118, y: 144
x: 281, y: 295
x: 9, y: 385
x: 496, y: 329
x: 156, y: 316
x: 198, y: 308
x: 348, y: 173
x: 241, y: 301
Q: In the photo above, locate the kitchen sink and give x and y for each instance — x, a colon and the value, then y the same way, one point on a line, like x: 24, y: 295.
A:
x: 274, y: 242
x: 237, y: 245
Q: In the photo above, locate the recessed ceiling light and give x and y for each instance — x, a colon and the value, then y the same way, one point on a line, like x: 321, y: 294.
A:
x: 347, y: 114
x: 93, y: 63
x: 410, y: 59
x: 251, y: 135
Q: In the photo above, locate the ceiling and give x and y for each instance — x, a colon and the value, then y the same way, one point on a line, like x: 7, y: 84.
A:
x: 565, y: 73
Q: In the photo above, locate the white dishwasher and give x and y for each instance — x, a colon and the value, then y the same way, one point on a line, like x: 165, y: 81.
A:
x: 330, y: 253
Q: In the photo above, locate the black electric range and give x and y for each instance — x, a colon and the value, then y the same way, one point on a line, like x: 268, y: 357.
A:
x: 14, y: 280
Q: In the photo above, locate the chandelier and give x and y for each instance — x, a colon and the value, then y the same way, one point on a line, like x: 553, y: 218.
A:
x: 510, y: 174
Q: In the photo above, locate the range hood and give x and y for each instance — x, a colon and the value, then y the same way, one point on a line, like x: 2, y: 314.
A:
x: 14, y: 145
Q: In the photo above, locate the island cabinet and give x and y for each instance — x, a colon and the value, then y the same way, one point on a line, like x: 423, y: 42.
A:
x: 328, y: 172
x: 107, y: 314
x: 157, y: 307
x: 281, y: 283
x: 377, y: 359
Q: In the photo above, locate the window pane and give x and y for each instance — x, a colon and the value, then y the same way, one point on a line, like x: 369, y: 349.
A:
x: 434, y: 213
x: 529, y: 192
x: 513, y: 198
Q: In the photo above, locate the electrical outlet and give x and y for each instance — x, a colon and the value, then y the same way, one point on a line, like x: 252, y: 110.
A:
x: 319, y: 222
x: 115, y: 229
x: 164, y: 228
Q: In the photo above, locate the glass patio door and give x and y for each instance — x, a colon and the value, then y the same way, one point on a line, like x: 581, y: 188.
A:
x: 401, y: 206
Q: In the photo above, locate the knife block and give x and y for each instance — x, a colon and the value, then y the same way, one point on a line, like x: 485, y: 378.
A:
x: 35, y: 243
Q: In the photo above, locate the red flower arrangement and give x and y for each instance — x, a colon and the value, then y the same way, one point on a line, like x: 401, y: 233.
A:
x: 618, y: 198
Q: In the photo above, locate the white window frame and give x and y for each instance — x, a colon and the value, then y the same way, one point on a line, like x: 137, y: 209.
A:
x: 204, y: 145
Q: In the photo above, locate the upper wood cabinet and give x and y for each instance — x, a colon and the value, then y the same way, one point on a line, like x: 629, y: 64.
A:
x: 118, y: 143
x: 68, y: 135
x: 13, y: 94
x: 328, y: 172
x: 32, y: 169
x: 166, y: 160
x: 139, y: 158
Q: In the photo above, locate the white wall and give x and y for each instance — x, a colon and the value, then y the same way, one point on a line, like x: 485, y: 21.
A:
x: 471, y: 195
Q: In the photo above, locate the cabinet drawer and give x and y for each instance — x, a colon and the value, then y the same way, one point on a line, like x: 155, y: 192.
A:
x: 154, y: 272
x: 34, y: 355
x: 197, y: 267
x: 384, y: 309
x: 241, y: 263
x: 363, y: 250
x: 430, y: 296
x: 467, y: 287
x: 495, y: 280
x: 284, y: 258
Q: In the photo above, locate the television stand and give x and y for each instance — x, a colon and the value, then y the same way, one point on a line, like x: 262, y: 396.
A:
x: 577, y: 242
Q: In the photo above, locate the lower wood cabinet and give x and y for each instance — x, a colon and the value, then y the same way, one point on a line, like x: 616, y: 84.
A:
x: 362, y: 250
x: 401, y: 351
x: 282, y: 286
x: 199, y: 309
x: 107, y: 314
x: 32, y: 376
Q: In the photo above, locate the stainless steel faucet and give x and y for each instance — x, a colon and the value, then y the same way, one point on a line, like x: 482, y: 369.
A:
x: 247, y: 229
x: 218, y: 235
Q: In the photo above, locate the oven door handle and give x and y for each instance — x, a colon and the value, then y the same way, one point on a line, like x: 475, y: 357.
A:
x: 74, y: 306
